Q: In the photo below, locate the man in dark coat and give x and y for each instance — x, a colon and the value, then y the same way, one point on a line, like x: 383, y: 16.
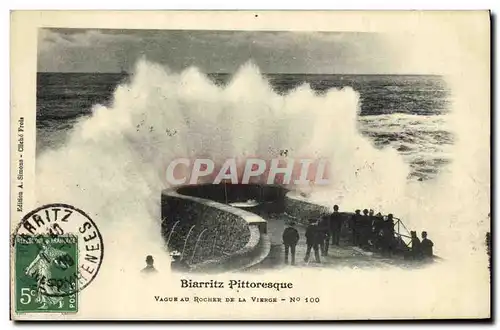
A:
x: 324, y: 234
x: 150, y: 268
x: 416, y: 250
x: 426, y: 246
x: 378, y: 230
x: 365, y: 228
x: 335, y: 225
x: 313, y: 237
x: 290, y: 239
x: 389, y: 240
x: 356, y: 227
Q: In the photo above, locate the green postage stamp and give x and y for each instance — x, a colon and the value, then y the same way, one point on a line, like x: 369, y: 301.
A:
x: 46, y: 277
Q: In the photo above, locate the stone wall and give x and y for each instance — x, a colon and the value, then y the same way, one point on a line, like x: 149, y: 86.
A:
x: 208, y: 233
x: 302, y: 210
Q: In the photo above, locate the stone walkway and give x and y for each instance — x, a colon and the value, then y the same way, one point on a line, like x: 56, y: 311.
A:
x: 341, y: 256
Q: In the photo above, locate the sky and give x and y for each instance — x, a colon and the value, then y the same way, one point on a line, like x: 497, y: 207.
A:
x: 90, y: 50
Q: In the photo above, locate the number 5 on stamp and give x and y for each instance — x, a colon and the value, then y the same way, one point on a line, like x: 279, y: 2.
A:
x: 46, y: 274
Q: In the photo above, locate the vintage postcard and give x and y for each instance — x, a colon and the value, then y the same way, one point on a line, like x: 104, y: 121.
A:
x: 239, y: 165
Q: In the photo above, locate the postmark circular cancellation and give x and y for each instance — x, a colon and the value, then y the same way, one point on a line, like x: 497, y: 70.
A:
x: 58, y: 252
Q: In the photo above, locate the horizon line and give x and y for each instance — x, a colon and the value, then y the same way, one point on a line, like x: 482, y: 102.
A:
x: 264, y: 73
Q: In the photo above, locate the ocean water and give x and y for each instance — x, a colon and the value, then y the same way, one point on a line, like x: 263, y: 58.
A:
x: 104, y: 140
x: 407, y: 113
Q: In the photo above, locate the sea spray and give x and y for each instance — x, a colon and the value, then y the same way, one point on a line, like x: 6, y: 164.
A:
x: 113, y: 166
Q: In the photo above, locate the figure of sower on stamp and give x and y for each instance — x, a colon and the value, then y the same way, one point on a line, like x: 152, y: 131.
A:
x: 48, y: 260
x: 58, y: 252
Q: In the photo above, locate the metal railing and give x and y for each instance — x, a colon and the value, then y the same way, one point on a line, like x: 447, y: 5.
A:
x: 401, y: 227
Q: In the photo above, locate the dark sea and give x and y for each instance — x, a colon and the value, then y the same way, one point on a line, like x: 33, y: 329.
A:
x: 408, y: 113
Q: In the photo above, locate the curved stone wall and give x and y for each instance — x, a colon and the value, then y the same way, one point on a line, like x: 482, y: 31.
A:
x: 210, y: 235
x: 301, y: 209
x: 213, y: 235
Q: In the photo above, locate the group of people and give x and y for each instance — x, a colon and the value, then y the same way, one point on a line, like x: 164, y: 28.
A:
x: 373, y: 232
x: 177, y: 263
x: 314, y: 239
x: 367, y: 230
x: 421, y: 249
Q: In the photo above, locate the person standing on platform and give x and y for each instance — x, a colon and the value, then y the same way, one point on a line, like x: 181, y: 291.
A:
x: 324, y: 234
x: 312, y: 240
x: 426, y: 246
x: 372, y: 235
x: 335, y: 225
x: 356, y: 227
x: 150, y: 268
x: 378, y: 230
x: 290, y: 240
x: 416, y: 250
x: 365, y: 229
x: 389, y: 241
